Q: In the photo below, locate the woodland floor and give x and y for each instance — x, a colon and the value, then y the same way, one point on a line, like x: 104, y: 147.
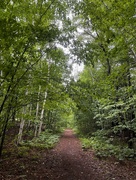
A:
x: 66, y: 161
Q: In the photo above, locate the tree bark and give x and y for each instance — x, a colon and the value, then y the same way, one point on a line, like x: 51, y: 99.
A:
x: 4, y: 129
x: 20, y: 131
x: 42, y: 114
x: 37, y: 112
x: 22, y: 123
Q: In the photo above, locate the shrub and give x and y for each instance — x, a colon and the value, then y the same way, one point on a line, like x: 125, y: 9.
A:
x: 46, y: 140
x: 104, y: 148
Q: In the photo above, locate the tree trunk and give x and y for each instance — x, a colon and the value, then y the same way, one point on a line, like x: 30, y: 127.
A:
x: 36, y: 129
x: 20, y: 131
x: 4, y: 129
x: 42, y: 114
x: 29, y: 120
x: 37, y: 112
x: 19, y: 139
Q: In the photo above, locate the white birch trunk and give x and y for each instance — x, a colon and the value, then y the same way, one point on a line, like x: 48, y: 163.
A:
x: 42, y: 114
x: 45, y: 97
x: 36, y: 129
x: 22, y: 123
x: 37, y: 112
x: 30, y: 112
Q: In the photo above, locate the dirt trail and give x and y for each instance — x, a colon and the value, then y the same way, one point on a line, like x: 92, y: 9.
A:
x: 66, y: 161
x: 72, y: 164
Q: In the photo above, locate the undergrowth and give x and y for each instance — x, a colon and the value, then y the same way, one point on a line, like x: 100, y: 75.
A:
x: 104, y: 148
x: 46, y: 140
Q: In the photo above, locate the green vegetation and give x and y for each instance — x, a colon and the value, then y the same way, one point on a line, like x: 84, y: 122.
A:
x: 105, y: 148
x: 46, y: 140
x: 105, y: 91
x: 33, y: 69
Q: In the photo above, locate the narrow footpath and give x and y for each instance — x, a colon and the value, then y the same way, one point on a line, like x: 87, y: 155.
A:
x: 71, y: 161
x: 67, y: 161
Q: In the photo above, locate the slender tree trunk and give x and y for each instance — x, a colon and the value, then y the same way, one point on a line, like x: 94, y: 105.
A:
x: 30, y: 113
x: 36, y: 129
x: 37, y: 112
x: 42, y: 114
x: 40, y: 127
x: 22, y: 123
x: 37, y: 107
x: 20, y: 131
x: 45, y: 97
x: 4, y: 129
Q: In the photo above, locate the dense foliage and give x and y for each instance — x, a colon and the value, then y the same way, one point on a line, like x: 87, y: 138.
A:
x: 33, y: 69
x: 106, y: 87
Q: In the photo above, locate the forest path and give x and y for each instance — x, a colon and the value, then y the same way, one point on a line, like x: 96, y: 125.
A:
x: 71, y: 161
x: 66, y: 161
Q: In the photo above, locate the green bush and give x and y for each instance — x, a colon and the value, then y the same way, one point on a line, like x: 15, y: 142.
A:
x: 46, y: 140
x: 104, y: 148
